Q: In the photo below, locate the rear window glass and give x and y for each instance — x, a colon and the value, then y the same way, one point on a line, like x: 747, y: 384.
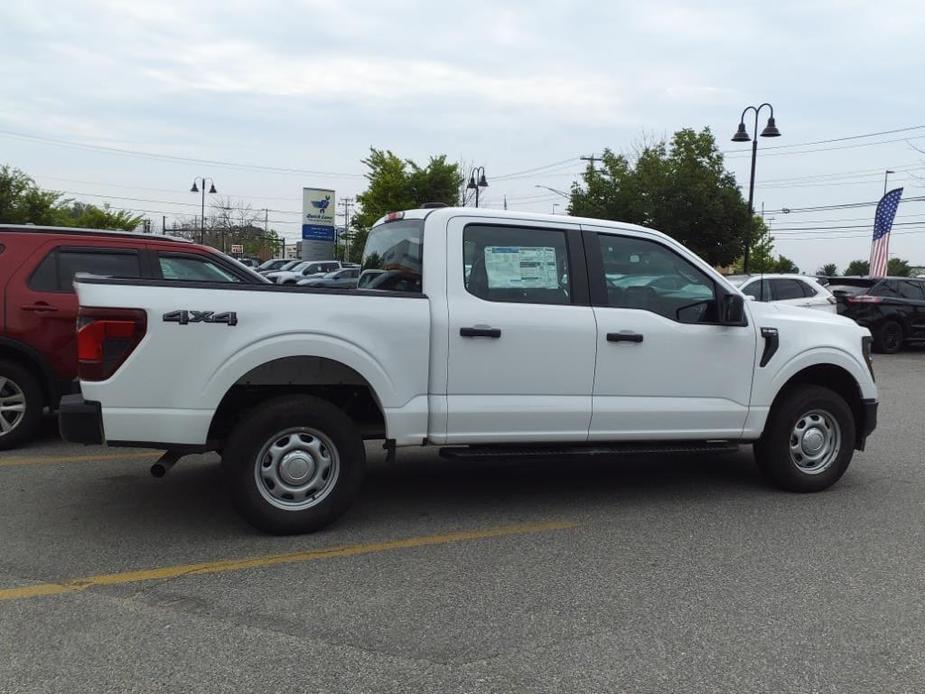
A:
x: 396, y: 248
x: 787, y: 289
x: 184, y: 268
x: 56, y: 272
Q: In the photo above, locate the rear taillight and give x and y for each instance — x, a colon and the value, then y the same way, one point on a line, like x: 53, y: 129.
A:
x: 105, y: 339
x: 864, y: 299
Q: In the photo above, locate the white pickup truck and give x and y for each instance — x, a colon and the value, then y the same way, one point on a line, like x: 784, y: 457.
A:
x: 487, y: 333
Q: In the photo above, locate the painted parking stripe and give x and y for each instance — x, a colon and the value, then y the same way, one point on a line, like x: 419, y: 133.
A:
x: 58, y: 459
x: 222, y: 566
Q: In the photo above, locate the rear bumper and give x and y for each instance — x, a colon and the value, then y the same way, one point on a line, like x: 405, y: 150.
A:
x: 868, y: 421
x: 79, y: 420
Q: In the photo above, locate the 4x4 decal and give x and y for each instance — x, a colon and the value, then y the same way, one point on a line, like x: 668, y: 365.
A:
x: 187, y: 317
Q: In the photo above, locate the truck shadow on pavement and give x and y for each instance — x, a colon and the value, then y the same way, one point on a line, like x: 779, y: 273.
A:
x: 192, y: 498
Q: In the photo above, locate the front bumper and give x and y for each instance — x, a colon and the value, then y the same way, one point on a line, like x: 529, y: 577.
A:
x: 868, y: 421
x: 79, y: 420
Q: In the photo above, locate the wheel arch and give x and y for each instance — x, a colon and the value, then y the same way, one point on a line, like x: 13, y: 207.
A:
x: 835, y: 378
x: 31, y: 359
x: 329, y: 379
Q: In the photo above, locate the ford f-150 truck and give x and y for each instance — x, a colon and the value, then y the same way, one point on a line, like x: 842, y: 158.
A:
x: 487, y: 333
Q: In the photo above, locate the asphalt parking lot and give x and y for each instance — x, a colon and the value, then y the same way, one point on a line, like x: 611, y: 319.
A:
x: 669, y: 574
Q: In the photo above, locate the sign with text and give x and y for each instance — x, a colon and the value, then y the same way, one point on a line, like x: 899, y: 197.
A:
x: 318, y: 206
x: 237, y: 248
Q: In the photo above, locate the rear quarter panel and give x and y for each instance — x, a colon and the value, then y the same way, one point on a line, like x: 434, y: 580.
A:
x: 170, y: 386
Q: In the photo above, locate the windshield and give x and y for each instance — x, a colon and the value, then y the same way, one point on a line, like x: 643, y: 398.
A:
x: 396, y: 248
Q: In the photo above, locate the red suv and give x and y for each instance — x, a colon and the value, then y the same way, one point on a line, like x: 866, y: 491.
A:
x: 38, y: 307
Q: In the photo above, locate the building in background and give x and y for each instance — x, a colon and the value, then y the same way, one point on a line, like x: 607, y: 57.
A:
x: 318, y: 207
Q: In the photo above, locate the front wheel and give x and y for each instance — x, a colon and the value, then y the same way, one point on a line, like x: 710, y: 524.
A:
x: 808, y: 441
x: 294, y: 464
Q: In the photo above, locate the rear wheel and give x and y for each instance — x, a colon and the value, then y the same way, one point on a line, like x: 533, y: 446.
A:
x: 294, y: 464
x: 889, y: 338
x: 21, y: 404
x: 808, y: 440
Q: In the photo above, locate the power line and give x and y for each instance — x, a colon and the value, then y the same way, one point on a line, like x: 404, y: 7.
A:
x: 741, y: 153
x: 835, y: 139
x: 171, y: 157
x: 842, y: 206
x: 518, y: 174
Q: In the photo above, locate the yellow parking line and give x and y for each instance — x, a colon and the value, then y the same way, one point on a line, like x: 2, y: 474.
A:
x: 167, y: 572
x: 55, y: 459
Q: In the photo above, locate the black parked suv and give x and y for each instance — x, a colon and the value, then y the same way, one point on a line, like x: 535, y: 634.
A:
x: 893, y: 308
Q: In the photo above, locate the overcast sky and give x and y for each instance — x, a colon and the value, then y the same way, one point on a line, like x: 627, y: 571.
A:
x: 513, y: 86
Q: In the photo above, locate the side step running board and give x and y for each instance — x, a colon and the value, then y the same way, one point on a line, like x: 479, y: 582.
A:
x: 540, y: 451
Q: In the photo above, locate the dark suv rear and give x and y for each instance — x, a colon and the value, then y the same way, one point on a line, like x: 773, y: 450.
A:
x: 38, y: 307
x: 893, y: 308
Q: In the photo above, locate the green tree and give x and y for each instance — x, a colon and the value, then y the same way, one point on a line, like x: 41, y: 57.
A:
x: 857, y: 267
x: 80, y: 214
x: 828, y: 270
x: 784, y: 264
x: 897, y: 267
x: 680, y: 187
x: 399, y: 184
x: 23, y: 202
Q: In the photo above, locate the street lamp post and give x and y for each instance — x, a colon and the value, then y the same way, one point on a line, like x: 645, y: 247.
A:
x: 770, y: 130
x: 554, y: 190
x: 202, y: 221
x: 476, y: 185
x: 886, y: 175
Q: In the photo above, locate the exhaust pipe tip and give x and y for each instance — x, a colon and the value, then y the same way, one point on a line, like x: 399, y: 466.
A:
x: 164, y: 464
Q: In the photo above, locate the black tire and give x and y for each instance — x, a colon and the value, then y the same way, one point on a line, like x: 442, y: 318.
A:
x: 257, y: 496
x: 773, y: 451
x: 15, y: 376
x: 889, y: 338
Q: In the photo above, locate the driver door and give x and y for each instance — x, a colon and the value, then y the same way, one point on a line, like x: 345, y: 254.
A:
x: 665, y: 368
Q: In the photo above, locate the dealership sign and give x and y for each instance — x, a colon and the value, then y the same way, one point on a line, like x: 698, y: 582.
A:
x: 318, y: 207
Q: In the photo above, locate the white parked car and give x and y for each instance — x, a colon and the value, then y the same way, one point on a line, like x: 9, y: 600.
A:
x: 796, y: 290
x: 543, y: 346
x: 305, y: 270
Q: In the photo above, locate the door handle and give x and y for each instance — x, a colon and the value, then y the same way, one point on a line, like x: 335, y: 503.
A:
x: 480, y: 332
x: 40, y: 307
x: 624, y: 337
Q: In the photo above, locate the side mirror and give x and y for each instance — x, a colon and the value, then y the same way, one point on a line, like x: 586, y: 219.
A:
x: 732, y: 310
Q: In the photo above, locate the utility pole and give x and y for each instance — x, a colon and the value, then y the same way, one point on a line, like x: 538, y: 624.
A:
x: 505, y: 201
x: 163, y: 225
x: 347, y: 204
x: 266, y: 220
x: 592, y: 158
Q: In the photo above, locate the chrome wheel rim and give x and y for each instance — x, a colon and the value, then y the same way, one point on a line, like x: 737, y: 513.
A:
x: 815, y: 442
x: 297, y: 469
x: 12, y: 405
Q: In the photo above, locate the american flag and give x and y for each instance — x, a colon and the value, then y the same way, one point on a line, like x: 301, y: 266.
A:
x: 883, y: 222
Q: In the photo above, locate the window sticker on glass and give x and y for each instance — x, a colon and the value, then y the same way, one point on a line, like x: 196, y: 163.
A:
x: 527, y: 267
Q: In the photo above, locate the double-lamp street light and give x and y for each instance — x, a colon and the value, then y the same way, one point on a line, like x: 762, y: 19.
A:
x: 195, y: 189
x: 476, y: 185
x: 770, y: 130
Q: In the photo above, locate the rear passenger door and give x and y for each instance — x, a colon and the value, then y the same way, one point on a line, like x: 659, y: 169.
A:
x: 521, y: 332
x: 42, y: 305
x: 913, y: 295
